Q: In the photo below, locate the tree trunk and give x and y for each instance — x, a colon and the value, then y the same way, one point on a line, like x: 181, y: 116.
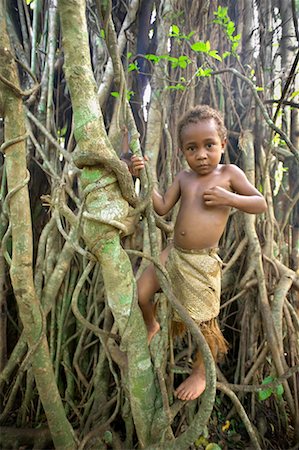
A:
x: 108, y: 208
x: 21, y: 263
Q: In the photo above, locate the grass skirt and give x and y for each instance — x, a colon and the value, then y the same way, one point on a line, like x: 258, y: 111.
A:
x: 196, y: 282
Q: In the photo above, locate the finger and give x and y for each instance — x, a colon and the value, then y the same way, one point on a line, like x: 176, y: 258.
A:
x: 138, y: 166
x: 208, y: 197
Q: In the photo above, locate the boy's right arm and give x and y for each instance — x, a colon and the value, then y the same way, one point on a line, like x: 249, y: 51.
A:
x: 162, y: 203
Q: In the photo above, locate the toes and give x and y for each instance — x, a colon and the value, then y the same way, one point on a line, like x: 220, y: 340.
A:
x: 182, y: 394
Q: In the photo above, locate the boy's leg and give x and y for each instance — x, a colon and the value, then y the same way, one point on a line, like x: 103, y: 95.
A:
x: 147, y: 285
x: 195, y: 384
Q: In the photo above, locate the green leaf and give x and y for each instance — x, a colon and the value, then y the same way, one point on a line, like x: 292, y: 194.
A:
x: 203, y: 72
x: 236, y: 38
x: 133, y: 66
x: 170, y: 58
x: 268, y: 379
x: 129, y: 95
x: 129, y: 54
x: 219, y: 21
x: 175, y: 31
x: 225, y: 55
x: 114, y: 94
x: 279, y: 390
x: 177, y: 87
x: 221, y: 11
x: 183, y: 61
x: 153, y: 58
x: 235, y: 46
x: 199, y: 46
x: 266, y: 393
x: 102, y: 33
x: 230, y: 28
x: 214, y: 54
x: 259, y: 88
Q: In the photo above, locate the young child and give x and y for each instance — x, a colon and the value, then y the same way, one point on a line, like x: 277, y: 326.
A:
x: 207, y: 191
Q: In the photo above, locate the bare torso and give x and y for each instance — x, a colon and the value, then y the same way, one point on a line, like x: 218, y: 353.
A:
x: 198, y: 225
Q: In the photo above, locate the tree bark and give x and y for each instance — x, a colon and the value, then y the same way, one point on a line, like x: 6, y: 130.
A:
x: 105, y: 209
x: 21, y: 264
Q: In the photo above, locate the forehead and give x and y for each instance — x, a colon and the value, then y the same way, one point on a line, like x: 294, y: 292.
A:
x: 203, y: 129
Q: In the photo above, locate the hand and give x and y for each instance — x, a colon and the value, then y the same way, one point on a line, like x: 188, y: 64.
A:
x: 138, y: 164
x: 217, y: 196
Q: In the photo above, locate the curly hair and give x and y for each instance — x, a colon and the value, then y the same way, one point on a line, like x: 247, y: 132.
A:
x: 198, y: 114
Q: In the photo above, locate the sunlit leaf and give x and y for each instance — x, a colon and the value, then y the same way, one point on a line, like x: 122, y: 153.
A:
x: 132, y: 66
x: 230, y: 28
x: 237, y: 37
x: 225, y: 55
x: 174, y: 30
x: 199, y: 46
x: 214, y: 54
x: 203, y: 72
x: 177, y: 87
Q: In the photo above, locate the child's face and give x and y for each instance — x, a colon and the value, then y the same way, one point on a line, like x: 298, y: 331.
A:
x: 202, y: 146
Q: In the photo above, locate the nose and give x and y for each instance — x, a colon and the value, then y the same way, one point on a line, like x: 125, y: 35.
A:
x: 201, y: 153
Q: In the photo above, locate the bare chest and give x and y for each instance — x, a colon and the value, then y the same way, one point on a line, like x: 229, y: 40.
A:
x: 193, y: 188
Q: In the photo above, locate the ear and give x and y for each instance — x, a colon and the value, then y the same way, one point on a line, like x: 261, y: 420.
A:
x: 223, y: 144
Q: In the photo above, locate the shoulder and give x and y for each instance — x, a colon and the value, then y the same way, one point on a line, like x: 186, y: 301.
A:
x: 182, y: 175
x: 231, y: 170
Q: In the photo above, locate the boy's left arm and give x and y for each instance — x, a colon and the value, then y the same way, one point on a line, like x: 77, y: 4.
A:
x: 244, y: 197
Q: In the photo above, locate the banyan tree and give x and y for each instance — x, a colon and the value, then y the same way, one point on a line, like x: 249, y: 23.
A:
x: 83, y: 86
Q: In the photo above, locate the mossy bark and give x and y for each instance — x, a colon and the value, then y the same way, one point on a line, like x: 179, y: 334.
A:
x: 106, y: 207
x: 21, y: 265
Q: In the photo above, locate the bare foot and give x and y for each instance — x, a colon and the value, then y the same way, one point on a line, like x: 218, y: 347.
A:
x: 193, y: 386
x: 152, y: 330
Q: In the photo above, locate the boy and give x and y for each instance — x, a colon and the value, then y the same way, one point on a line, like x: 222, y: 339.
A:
x: 207, y: 191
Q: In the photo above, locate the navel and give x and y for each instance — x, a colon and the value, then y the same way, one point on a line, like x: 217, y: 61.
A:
x: 183, y: 233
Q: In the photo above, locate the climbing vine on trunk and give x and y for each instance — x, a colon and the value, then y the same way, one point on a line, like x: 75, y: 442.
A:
x: 82, y: 86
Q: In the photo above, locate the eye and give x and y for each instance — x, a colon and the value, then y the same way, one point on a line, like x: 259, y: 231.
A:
x: 191, y: 149
x: 210, y: 145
